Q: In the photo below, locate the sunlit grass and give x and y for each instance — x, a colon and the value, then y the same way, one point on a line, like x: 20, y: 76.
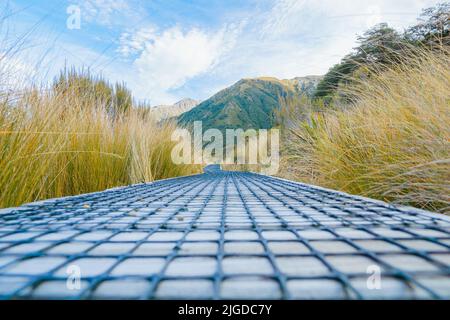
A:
x: 391, y: 143
x: 57, y: 143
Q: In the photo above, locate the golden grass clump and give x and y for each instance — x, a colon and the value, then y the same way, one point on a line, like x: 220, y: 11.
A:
x: 392, y: 142
x: 59, y: 142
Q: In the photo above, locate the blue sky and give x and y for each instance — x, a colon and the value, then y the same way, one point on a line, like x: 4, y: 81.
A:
x: 166, y: 50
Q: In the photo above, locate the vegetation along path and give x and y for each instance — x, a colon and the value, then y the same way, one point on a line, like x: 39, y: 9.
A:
x: 222, y: 235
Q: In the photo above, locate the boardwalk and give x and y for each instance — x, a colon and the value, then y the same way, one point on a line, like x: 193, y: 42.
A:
x: 222, y: 235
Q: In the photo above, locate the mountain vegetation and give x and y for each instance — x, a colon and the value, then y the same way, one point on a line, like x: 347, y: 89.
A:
x: 249, y: 103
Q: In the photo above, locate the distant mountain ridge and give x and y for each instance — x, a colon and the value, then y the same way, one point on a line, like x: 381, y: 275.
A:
x: 174, y: 110
x: 306, y: 84
x: 249, y: 103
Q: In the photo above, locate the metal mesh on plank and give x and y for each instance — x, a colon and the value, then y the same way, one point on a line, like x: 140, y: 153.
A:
x: 222, y: 235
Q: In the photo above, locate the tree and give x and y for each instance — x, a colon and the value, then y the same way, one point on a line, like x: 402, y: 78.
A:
x: 433, y: 27
x: 337, y: 75
x: 83, y: 86
x: 123, y: 100
x: 90, y: 91
x: 379, y: 46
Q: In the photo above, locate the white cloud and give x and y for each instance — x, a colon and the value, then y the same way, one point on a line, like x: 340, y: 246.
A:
x: 289, y: 17
x: 134, y: 42
x: 102, y: 11
x: 168, y: 59
x: 279, y: 20
x: 301, y: 37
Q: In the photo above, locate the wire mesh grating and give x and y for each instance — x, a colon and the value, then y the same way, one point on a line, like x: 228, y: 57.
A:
x: 222, y: 235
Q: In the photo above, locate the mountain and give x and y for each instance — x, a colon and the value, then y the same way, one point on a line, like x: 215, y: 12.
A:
x: 186, y: 104
x: 249, y: 103
x: 306, y: 84
x: 174, y: 110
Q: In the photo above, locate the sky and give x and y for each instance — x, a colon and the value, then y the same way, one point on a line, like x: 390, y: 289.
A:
x: 166, y: 50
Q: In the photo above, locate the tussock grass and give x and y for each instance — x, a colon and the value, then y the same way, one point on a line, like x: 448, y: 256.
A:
x: 391, y: 142
x: 64, y: 142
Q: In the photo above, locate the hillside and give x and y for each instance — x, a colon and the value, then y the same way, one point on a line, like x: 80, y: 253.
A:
x: 249, y: 103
